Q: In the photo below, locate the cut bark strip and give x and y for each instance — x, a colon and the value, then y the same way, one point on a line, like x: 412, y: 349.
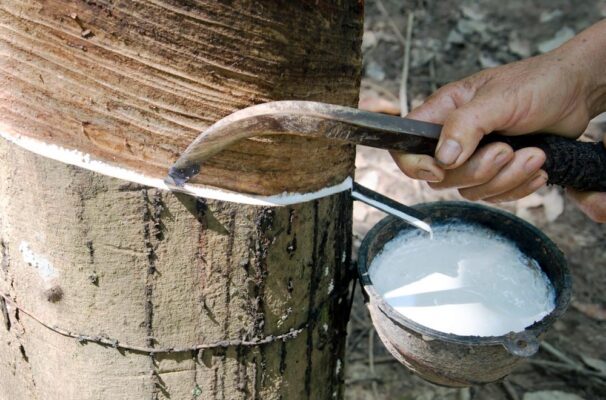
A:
x: 79, y: 159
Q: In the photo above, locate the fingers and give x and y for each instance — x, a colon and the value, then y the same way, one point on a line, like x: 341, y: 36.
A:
x: 418, y: 166
x: 524, y: 165
x: 442, y: 103
x: 468, y: 124
x: 435, y: 109
x: 495, y: 173
x: 533, y: 184
x: 593, y: 204
x: 463, y: 130
x: 484, y: 165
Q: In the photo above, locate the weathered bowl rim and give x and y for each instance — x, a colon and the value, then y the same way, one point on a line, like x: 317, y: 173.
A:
x: 522, y: 343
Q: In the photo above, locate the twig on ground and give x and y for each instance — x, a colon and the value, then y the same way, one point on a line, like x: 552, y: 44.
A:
x: 464, y: 394
x: 371, y: 361
x: 568, y: 367
x: 568, y: 364
x: 406, y: 66
x: 559, y: 355
x: 510, y: 390
x: 380, y: 90
x: 391, y: 22
x: 432, y: 76
x: 405, y: 42
x: 360, y: 320
x: 377, y: 360
x: 362, y: 380
x: 353, y: 344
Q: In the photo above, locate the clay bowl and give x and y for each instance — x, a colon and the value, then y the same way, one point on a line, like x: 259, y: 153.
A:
x: 454, y: 360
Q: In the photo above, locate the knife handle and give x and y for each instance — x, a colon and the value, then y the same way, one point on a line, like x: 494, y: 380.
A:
x: 570, y: 163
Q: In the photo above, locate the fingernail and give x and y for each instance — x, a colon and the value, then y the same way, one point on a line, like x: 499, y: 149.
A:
x: 502, y: 157
x: 448, y: 152
x: 427, y: 175
x: 532, y: 164
x: 538, y: 181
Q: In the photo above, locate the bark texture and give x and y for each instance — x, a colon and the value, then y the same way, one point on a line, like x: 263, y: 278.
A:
x: 134, y: 82
x: 111, y: 290
x: 99, y: 259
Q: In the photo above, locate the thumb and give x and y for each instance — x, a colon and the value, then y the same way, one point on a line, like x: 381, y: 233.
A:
x: 467, y: 125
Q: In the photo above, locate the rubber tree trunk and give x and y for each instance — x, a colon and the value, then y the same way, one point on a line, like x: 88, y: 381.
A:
x: 112, y: 290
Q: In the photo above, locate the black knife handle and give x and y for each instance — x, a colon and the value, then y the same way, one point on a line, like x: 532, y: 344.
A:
x: 570, y: 163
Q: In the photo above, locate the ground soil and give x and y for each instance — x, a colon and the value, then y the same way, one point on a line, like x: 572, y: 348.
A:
x: 452, y: 39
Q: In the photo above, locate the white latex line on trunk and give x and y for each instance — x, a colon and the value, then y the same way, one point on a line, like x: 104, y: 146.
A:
x: 82, y: 160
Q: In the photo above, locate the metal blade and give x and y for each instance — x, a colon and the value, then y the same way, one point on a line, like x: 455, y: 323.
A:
x: 306, y: 118
x: 391, y: 207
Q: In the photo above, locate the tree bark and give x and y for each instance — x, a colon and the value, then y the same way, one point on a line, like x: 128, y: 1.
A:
x: 112, y: 290
x: 133, y: 82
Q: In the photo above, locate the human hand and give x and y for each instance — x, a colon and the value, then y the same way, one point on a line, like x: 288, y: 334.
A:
x: 557, y: 92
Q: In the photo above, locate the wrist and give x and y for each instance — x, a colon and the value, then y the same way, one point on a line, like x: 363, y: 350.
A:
x: 587, y: 56
x: 596, y: 89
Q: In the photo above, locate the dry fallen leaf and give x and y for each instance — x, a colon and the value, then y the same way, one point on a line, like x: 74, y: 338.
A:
x: 360, y: 212
x: 531, y: 201
x: 368, y: 178
x: 598, y: 365
x: 594, y: 311
x: 553, y: 204
x: 551, y: 395
x: 375, y: 103
x: 561, y: 36
x: 519, y: 46
x: 524, y: 205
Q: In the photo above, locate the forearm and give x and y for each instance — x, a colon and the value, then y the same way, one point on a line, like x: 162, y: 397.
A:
x: 586, y: 55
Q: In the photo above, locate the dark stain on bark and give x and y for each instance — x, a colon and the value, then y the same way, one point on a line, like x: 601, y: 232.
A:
x: 242, y: 377
x: 54, y: 294
x: 245, y: 265
x: 323, y: 336
x: 264, y: 223
x: 152, y: 230
x: 195, y: 355
x: 343, y: 275
x: 91, y: 251
x: 283, y: 357
x: 265, y: 219
x: 7, y: 319
x: 221, y: 353
x: 291, y: 248
x: 227, y: 271
x: 23, y: 353
x: 93, y: 277
x: 4, y: 253
x: 198, y: 207
x: 289, y: 286
x: 156, y: 216
x: 291, y: 218
x: 130, y: 187
x: 213, y: 389
x: 311, y: 305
